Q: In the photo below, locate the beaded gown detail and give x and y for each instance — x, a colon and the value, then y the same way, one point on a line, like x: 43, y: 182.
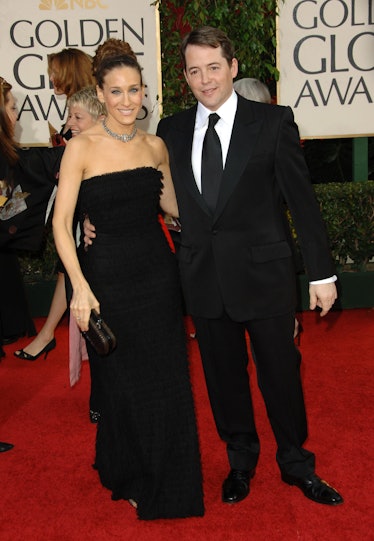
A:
x: 147, y: 445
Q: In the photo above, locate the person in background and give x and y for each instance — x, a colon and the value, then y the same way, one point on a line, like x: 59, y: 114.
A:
x: 84, y: 110
x: 27, y: 181
x: 236, y: 261
x: 15, y: 318
x: 253, y: 89
x: 147, y: 447
x: 70, y: 70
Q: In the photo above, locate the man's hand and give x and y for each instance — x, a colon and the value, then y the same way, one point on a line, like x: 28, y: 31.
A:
x: 322, y: 295
x: 89, y: 232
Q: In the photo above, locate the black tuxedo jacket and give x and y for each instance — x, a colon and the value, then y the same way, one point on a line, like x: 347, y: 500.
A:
x: 241, y: 258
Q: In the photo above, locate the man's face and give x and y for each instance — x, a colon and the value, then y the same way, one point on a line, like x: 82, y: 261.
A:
x: 209, y: 75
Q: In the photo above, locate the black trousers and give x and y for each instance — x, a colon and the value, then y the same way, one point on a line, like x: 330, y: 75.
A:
x: 224, y: 354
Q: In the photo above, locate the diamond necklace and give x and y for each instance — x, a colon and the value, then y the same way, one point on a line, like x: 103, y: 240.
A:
x: 124, y: 138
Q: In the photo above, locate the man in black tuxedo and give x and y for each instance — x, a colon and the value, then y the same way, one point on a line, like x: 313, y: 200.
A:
x: 236, y: 263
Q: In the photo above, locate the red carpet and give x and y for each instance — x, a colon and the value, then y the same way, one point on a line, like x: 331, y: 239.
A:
x: 49, y: 492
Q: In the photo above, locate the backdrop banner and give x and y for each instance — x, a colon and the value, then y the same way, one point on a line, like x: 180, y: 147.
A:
x: 31, y: 30
x: 326, y: 64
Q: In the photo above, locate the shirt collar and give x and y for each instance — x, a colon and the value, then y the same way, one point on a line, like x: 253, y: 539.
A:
x: 226, y: 111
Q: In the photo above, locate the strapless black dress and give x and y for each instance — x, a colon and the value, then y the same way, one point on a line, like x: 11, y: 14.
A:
x: 147, y: 445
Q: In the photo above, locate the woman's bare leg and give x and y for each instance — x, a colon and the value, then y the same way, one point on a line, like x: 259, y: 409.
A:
x: 56, y: 311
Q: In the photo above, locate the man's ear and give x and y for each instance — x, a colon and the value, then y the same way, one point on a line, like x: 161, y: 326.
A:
x: 234, y: 67
x: 185, y: 76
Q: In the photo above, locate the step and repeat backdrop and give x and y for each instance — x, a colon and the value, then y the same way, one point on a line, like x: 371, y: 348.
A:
x: 326, y: 61
x: 31, y: 30
x: 325, y: 52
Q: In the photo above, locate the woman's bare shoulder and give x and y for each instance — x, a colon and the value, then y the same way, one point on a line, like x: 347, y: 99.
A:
x: 88, y: 138
x: 151, y: 139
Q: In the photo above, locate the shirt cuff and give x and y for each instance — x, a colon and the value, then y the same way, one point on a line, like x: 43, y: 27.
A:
x: 324, y: 281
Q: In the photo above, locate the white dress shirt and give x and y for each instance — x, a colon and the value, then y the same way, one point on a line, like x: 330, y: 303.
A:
x: 223, y: 128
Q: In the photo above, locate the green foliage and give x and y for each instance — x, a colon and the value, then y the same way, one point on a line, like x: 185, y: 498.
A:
x: 348, y: 211
x: 40, y: 266
x: 249, y: 24
x: 347, y: 208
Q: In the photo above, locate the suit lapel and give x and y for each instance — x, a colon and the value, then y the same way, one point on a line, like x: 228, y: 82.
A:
x: 182, y: 156
x: 243, y: 140
x: 242, y: 144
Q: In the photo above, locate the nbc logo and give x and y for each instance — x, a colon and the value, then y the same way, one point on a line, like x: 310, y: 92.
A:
x: 70, y: 4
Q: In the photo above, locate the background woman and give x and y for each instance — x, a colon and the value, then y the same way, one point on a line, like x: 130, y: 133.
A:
x: 84, y: 109
x: 21, y: 216
x: 70, y: 70
x: 146, y: 449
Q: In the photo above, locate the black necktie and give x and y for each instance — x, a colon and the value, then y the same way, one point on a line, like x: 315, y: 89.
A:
x: 211, y: 164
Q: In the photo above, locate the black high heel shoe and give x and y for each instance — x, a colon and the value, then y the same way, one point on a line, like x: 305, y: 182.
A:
x: 20, y: 354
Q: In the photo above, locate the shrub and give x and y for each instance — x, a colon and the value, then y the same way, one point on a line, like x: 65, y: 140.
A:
x: 348, y: 211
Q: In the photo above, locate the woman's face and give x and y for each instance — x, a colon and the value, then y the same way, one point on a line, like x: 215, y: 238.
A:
x: 79, y: 119
x: 11, y: 108
x: 52, y: 77
x: 122, y: 94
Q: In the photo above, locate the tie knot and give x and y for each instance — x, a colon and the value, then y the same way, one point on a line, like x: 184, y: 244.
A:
x: 213, y: 119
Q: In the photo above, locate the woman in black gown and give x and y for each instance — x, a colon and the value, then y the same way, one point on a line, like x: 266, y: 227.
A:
x: 147, y: 446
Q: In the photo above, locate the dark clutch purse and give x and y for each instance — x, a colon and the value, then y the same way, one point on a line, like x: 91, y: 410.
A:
x: 100, y: 335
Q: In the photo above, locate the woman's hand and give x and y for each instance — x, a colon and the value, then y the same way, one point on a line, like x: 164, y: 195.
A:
x: 82, y: 302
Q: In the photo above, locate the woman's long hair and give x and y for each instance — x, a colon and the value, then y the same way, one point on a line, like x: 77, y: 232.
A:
x: 8, y: 146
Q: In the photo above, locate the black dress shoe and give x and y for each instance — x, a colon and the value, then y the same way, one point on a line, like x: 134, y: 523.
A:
x: 5, y: 447
x: 314, y: 488
x: 236, y: 487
